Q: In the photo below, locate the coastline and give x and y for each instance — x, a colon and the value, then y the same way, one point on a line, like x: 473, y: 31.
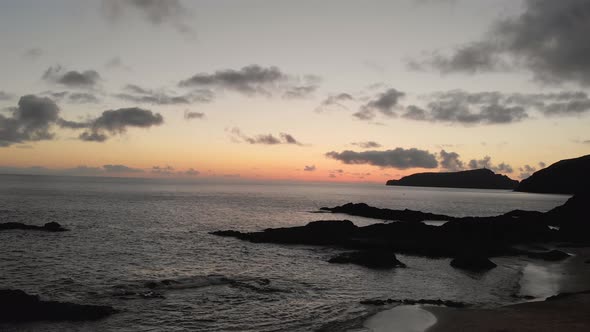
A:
x: 566, y: 311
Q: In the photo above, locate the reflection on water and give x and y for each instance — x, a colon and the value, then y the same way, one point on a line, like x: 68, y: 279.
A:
x: 401, y: 319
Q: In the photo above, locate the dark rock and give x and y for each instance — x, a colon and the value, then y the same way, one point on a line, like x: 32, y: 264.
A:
x: 553, y: 255
x: 477, y: 178
x: 446, y: 303
x: 373, y: 259
x: 570, y: 176
x: 18, y: 306
x: 364, y: 210
x: 473, y: 263
x: 48, y: 227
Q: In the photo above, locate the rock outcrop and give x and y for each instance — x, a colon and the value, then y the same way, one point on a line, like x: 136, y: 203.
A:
x: 48, y: 227
x: 475, y: 179
x: 373, y: 259
x: 18, y: 306
x: 569, y: 176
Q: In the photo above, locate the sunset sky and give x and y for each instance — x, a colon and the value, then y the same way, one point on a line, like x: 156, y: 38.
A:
x: 293, y: 90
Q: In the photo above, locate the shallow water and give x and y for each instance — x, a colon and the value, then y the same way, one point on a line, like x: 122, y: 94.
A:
x: 143, y: 246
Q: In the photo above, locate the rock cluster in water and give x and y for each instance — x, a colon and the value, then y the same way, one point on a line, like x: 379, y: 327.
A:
x: 482, y: 237
x: 48, y: 227
x: 18, y: 306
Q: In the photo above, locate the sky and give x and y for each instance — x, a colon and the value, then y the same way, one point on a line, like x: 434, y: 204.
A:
x: 332, y: 90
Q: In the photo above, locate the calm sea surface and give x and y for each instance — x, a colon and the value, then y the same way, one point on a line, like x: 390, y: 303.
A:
x: 128, y: 234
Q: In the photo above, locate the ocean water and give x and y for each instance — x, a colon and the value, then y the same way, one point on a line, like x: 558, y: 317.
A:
x: 143, y: 247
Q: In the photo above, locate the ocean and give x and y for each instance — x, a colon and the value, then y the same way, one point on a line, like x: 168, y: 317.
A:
x: 143, y: 246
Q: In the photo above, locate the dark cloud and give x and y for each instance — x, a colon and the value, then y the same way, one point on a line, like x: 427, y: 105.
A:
x: 31, y: 120
x: 542, y: 164
x: 335, y: 101
x: 117, y: 121
x: 268, y: 139
x: 367, y: 145
x: 310, y: 168
x: 550, y: 38
x: 157, y: 12
x: 384, y: 103
x: 414, y: 112
x: 486, y: 162
x: 33, y: 53
x: 493, y: 107
x: 72, y: 78
x: 450, y: 161
x: 250, y: 80
x: 398, y: 158
x: 5, y: 95
x: 193, y: 115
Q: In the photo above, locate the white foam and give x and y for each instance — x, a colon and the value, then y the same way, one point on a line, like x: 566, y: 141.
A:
x: 403, y: 318
x: 540, y: 281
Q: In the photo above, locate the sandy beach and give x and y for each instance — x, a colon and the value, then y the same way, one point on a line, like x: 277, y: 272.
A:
x: 565, y: 312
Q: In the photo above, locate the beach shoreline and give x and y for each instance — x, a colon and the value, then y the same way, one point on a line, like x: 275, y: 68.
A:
x: 566, y: 311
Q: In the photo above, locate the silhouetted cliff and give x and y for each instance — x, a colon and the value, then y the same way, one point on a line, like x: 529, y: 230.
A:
x: 477, y: 179
x: 567, y: 176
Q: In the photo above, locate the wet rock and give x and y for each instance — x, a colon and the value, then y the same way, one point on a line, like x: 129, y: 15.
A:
x: 552, y: 255
x: 473, y: 263
x: 373, y: 259
x: 48, y: 227
x: 364, y: 210
x: 18, y: 306
x: 446, y: 303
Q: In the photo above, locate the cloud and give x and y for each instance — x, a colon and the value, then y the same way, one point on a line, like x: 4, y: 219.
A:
x: 255, y: 80
x: 193, y: 115
x: 137, y: 94
x: 335, y: 101
x: 549, y: 38
x: 33, y: 53
x: 117, y: 122
x: 486, y: 162
x: 165, y: 170
x: 451, y: 161
x: 5, y: 95
x: 310, y: 168
x: 494, y: 107
x: 83, y: 98
x: 367, y: 145
x: 526, y: 171
x: 117, y: 63
x: 398, y: 158
x: 299, y: 92
x: 542, y: 164
x: 31, y: 120
x: 72, y: 78
x: 192, y: 172
x: 384, y: 103
x: 156, y: 12
x: 250, y: 80
x: 120, y: 169
x: 266, y: 139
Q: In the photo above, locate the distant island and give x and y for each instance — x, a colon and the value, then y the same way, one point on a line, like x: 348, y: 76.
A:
x: 473, y: 179
x: 568, y: 176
